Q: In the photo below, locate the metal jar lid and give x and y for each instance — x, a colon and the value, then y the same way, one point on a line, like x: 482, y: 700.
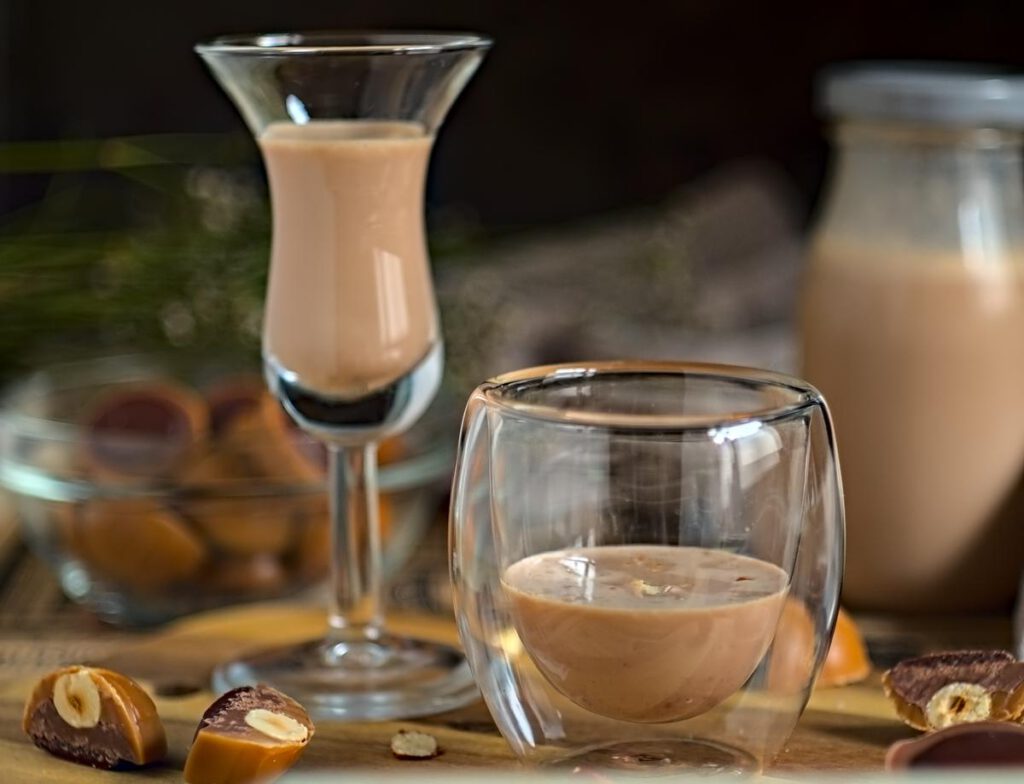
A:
x: 922, y: 92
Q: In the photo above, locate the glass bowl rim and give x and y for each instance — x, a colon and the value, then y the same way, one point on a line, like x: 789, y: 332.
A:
x: 427, y: 466
x: 345, y: 42
x: 804, y: 396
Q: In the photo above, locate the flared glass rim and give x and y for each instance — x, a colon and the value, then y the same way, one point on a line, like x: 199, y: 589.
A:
x: 804, y: 396
x: 344, y: 42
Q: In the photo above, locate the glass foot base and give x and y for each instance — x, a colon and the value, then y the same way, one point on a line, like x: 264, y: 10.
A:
x: 664, y: 757
x: 387, y: 678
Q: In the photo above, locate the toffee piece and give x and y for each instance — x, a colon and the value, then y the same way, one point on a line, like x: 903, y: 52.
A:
x: 250, y: 734
x: 94, y: 717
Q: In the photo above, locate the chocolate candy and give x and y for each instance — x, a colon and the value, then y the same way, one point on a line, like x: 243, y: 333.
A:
x: 137, y: 543
x: 263, y: 440
x: 143, y: 431
x: 232, y: 397
x: 250, y: 734
x: 980, y: 745
x: 94, y: 717
x: 957, y: 687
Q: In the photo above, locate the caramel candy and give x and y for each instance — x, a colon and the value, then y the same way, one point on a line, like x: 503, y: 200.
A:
x: 94, y: 717
x: 979, y: 745
x: 137, y: 543
x: 313, y: 554
x: 958, y: 687
x: 251, y: 734
x: 792, y: 656
x: 238, y: 525
x: 263, y: 439
x: 246, y: 526
x: 233, y: 397
x: 847, y: 659
x: 391, y: 450
x: 144, y: 430
x: 258, y: 575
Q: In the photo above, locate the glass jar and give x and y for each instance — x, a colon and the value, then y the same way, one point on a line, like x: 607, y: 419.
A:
x: 912, y: 325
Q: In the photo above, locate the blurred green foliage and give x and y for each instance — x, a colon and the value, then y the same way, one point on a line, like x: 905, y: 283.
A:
x: 149, y: 244
x: 138, y: 244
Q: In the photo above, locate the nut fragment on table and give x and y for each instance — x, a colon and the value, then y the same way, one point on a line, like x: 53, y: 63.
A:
x: 94, y: 717
x: 250, y: 734
x: 957, y: 687
x: 978, y: 745
x: 411, y: 745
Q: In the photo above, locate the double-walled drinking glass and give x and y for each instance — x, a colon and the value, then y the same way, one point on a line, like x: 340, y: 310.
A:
x: 646, y: 560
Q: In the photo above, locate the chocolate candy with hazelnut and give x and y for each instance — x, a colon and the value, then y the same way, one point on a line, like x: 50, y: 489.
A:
x: 957, y: 687
x: 979, y: 745
x: 94, y: 717
x: 143, y: 431
x: 137, y: 543
x: 253, y: 733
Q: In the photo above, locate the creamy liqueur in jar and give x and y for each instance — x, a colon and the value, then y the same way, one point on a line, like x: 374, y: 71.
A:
x: 912, y: 325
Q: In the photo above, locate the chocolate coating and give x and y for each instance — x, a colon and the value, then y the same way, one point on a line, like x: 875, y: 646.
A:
x: 145, y: 430
x: 980, y: 745
x: 916, y: 680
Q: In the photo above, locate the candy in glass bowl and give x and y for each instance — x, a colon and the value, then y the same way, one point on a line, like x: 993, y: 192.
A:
x: 157, y: 487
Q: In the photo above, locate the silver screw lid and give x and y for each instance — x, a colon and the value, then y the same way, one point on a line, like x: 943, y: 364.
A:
x: 949, y: 94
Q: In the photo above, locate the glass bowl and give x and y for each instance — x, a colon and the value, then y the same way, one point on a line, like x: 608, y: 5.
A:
x: 157, y: 487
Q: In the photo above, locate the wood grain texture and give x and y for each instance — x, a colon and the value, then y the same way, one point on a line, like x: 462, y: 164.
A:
x: 842, y: 729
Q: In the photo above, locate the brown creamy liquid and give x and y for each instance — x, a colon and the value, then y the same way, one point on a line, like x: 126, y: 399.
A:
x: 350, y: 302
x: 645, y: 633
x: 921, y: 359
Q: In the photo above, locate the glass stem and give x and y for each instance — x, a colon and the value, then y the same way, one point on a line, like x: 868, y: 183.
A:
x: 356, y: 603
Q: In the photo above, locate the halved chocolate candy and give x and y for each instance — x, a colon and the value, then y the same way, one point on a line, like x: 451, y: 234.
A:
x: 143, y: 430
x: 94, y: 717
x: 250, y: 734
x: 957, y: 687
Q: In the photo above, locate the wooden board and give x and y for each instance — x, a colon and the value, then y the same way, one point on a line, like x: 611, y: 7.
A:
x: 842, y: 729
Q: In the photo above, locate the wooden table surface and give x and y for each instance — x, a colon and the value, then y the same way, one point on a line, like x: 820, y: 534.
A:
x: 842, y: 729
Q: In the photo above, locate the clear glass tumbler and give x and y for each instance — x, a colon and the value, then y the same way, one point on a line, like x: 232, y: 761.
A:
x: 646, y: 560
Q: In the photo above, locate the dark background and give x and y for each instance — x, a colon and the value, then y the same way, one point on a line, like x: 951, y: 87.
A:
x: 581, y: 107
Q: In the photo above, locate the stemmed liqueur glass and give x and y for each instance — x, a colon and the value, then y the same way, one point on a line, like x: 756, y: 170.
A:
x: 351, y: 343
